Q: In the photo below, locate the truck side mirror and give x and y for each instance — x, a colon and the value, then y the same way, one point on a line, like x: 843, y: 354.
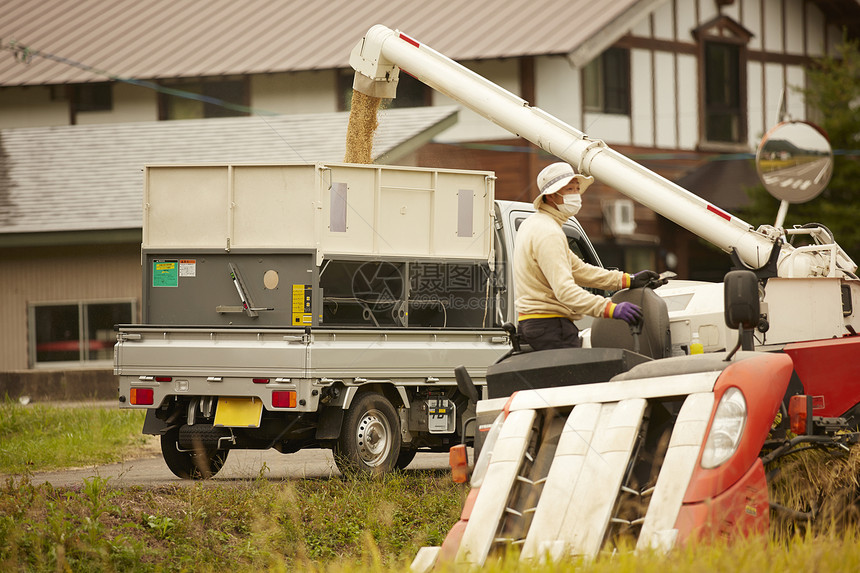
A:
x: 742, y: 307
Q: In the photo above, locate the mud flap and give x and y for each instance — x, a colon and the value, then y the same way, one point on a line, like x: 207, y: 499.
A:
x: 328, y: 428
x: 153, y: 425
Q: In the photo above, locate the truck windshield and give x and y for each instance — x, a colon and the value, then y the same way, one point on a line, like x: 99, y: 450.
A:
x: 575, y: 241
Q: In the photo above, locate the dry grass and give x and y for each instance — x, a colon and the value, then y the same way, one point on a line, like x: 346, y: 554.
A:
x: 821, y: 483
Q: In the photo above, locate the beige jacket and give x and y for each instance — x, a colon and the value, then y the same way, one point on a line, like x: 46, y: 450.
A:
x: 549, y: 277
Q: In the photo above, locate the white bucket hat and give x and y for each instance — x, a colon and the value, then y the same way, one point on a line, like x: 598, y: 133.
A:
x: 554, y: 177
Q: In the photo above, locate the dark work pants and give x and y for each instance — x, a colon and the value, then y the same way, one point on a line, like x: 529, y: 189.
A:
x: 549, y: 333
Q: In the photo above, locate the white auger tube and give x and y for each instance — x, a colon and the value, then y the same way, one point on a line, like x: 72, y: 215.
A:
x: 378, y: 57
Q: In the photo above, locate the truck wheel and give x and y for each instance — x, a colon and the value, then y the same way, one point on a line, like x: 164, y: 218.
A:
x: 369, y: 439
x: 202, y: 464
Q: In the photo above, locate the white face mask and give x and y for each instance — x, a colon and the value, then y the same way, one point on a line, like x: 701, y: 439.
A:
x: 572, y: 204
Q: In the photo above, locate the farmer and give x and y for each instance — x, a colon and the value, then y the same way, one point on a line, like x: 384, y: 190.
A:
x: 549, y: 278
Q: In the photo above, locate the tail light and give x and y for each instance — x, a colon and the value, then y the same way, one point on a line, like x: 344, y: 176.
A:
x: 284, y: 399
x: 459, y: 462
x: 164, y: 378
x: 800, y: 414
x: 260, y: 380
x: 141, y: 396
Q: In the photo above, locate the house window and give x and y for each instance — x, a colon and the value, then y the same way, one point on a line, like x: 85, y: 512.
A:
x: 81, y: 332
x: 212, y: 91
x: 607, y: 82
x: 722, y: 81
x: 410, y: 92
x: 723, y: 111
x: 93, y: 97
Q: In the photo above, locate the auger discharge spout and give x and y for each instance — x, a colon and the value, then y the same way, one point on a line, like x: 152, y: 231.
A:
x: 382, y: 53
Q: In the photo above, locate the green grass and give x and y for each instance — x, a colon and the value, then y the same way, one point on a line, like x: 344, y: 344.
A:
x: 331, y: 525
x: 327, y: 525
x: 253, y: 525
x: 42, y: 437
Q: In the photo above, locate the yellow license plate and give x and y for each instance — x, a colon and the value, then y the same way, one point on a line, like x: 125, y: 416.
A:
x: 238, y: 413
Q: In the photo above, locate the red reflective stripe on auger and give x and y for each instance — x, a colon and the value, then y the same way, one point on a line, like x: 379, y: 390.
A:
x: 722, y: 214
x: 410, y: 40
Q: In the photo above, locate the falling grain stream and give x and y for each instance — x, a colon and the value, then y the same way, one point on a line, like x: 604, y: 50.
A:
x: 362, y: 125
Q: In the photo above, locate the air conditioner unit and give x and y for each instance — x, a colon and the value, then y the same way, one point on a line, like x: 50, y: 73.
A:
x: 618, y: 216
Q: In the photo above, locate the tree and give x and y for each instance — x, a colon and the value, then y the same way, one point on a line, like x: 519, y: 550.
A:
x: 833, y: 88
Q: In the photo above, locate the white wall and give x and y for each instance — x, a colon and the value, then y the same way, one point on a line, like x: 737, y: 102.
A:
x: 31, y: 107
x: 666, y: 112
x: 795, y: 79
x: 707, y: 10
x: 772, y: 25
x: 611, y: 128
x: 794, y: 27
x: 815, y: 27
x: 130, y: 104
x: 686, y: 15
x: 303, y: 92
x: 774, y: 78
x: 558, y: 90
x: 664, y: 22
x: 471, y: 126
x: 688, y: 101
x: 751, y: 10
x: 755, y: 113
x: 642, y: 104
x: 733, y: 11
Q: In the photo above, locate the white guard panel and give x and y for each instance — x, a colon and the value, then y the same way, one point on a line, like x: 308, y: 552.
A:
x: 583, y: 483
x: 556, y: 501
x: 495, y: 491
x: 678, y: 465
x: 600, y: 480
x: 819, y: 317
x: 425, y: 560
x: 559, y: 397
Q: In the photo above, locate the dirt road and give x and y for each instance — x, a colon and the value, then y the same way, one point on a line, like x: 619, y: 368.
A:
x: 241, y: 465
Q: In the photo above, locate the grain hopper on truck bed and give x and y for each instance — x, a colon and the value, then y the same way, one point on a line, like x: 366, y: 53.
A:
x: 557, y: 460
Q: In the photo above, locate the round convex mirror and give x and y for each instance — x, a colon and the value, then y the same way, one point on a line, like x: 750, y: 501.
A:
x: 794, y: 161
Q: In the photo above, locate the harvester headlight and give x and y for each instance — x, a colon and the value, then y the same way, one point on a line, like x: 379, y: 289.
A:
x: 726, y: 430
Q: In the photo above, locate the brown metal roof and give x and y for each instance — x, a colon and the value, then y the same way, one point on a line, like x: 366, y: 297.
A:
x: 152, y: 39
x: 88, y: 177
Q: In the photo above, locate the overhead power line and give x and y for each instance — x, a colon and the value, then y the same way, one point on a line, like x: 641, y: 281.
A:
x: 25, y: 55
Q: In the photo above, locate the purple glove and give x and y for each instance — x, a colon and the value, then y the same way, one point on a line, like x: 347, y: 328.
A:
x: 643, y: 278
x: 627, y: 311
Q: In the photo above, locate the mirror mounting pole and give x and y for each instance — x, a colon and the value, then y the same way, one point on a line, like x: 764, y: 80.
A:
x: 780, y: 215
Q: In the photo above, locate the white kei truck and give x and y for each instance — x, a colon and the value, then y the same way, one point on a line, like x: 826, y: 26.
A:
x: 317, y: 306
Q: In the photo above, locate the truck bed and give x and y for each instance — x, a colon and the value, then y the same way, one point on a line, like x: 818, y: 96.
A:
x: 238, y: 361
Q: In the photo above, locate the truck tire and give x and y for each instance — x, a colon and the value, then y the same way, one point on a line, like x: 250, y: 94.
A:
x: 201, y: 464
x: 369, y: 439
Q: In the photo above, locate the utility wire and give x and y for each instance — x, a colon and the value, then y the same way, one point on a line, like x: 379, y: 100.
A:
x: 25, y: 55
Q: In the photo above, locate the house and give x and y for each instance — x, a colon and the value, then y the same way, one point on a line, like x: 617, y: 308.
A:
x: 72, y: 212
x: 679, y: 85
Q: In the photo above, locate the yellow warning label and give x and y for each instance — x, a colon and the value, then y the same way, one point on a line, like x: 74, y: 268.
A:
x: 301, y: 308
